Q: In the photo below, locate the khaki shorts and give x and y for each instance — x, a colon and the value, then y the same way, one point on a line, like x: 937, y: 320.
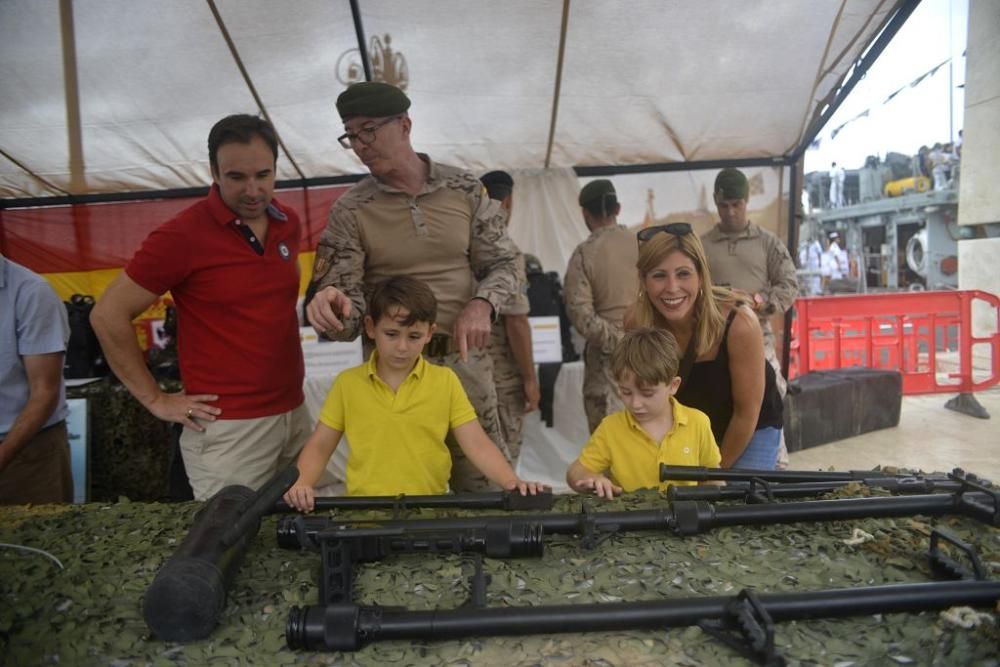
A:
x: 243, y: 451
x: 40, y: 473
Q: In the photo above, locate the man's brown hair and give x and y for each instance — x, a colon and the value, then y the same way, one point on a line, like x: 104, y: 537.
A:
x: 239, y: 129
x: 650, y: 355
x: 404, y: 292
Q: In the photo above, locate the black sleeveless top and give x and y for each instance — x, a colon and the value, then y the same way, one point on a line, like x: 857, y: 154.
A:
x: 709, y: 389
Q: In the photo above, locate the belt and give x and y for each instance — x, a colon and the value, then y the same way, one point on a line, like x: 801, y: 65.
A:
x: 440, y: 345
x: 61, y: 422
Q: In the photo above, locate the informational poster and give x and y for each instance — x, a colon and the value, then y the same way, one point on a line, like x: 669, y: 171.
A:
x: 79, y: 446
x: 546, y: 339
x: 328, y: 358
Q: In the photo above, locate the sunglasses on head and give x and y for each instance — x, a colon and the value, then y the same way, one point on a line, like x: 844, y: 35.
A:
x: 675, y: 228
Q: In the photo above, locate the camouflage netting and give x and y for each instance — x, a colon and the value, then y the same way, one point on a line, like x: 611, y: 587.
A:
x: 91, y: 612
x: 129, y: 447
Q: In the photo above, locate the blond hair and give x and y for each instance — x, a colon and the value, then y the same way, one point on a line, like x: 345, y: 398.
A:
x: 650, y: 355
x: 709, y: 323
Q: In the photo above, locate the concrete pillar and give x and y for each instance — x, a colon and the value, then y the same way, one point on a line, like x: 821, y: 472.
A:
x: 979, y: 196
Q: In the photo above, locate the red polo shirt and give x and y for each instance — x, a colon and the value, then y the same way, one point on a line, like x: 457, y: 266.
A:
x: 237, y: 329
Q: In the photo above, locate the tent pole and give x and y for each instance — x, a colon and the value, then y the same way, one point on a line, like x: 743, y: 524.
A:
x: 558, y: 86
x: 903, y: 12
x: 246, y: 78
x: 23, y: 167
x: 695, y: 165
x: 359, y: 30
x: 793, y: 244
x: 77, y: 169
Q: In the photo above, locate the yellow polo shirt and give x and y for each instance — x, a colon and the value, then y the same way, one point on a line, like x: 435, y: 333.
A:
x: 397, y: 438
x: 632, y: 459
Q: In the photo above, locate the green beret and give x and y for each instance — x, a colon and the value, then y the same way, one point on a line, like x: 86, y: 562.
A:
x: 595, y: 190
x: 731, y: 184
x: 499, y: 184
x: 372, y: 98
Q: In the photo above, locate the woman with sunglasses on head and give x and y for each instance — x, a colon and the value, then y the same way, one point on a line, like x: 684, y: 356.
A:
x: 723, y: 371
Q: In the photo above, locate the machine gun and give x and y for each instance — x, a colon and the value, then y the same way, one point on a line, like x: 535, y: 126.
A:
x: 343, y: 544
x: 681, y: 518
x: 745, y: 621
x: 187, y: 596
x: 372, y: 544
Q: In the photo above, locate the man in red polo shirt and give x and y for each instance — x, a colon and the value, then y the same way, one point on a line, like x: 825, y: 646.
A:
x: 230, y: 264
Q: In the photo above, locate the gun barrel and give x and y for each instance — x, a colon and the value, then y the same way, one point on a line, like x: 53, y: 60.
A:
x: 693, y: 517
x: 498, y: 500
x: 902, y: 485
x: 714, y: 493
x: 348, y: 627
x: 703, y: 474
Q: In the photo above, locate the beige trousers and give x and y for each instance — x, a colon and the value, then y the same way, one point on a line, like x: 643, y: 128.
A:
x: 243, y: 451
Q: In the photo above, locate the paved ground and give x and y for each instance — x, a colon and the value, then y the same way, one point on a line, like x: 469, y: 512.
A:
x: 929, y: 437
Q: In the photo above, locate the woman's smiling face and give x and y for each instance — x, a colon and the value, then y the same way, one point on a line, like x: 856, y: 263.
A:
x: 672, y: 287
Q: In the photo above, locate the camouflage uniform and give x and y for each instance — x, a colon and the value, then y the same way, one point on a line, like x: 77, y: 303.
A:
x: 447, y: 235
x: 506, y: 374
x: 756, y: 261
x: 601, y: 283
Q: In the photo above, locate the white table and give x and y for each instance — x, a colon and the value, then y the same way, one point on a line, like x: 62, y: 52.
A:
x: 547, y: 452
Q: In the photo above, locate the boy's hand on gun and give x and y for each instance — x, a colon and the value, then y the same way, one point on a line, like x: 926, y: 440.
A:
x: 523, y: 487
x: 600, y: 486
x: 301, y: 497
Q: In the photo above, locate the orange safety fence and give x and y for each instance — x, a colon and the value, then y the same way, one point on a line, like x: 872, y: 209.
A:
x: 920, y: 334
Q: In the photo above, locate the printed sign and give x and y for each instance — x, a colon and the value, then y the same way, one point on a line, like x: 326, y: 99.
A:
x: 328, y: 358
x: 76, y: 427
x: 546, y: 339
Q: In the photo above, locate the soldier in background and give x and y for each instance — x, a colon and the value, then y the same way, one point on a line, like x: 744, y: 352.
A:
x: 811, y: 259
x: 753, y: 261
x: 510, y: 341
x: 415, y: 217
x: 601, y: 283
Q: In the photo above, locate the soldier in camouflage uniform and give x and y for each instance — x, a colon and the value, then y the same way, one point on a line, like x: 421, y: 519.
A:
x: 753, y: 261
x: 430, y: 221
x: 601, y: 283
x: 510, y: 341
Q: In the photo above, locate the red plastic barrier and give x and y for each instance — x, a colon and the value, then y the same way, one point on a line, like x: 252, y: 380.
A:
x: 904, y: 331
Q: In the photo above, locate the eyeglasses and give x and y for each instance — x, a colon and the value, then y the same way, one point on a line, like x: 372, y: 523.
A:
x: 365, y: 135
x: 675, y: 228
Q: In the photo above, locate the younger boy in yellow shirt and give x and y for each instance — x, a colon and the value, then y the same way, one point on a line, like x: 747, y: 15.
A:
x: 396, y: 410
x: 652, y: 429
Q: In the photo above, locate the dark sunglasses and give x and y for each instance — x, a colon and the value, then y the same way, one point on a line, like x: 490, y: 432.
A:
x: 675, y: 228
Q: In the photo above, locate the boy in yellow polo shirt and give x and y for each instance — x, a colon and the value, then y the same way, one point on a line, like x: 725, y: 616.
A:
x: 396, y: 410
x: 652, y: 429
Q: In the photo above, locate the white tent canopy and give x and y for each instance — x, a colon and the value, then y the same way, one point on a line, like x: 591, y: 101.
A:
x: 110, y: 96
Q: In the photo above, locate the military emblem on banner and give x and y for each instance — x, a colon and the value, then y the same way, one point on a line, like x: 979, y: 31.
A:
x: 388, y: 66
